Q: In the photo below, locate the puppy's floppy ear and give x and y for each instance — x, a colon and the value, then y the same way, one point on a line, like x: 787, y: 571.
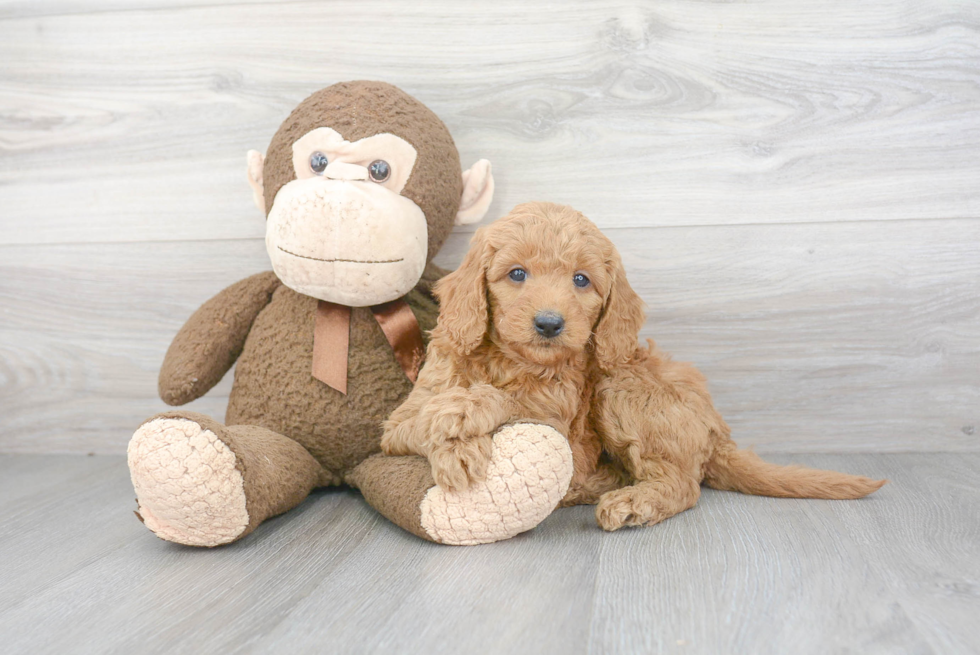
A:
x: 462, y: 295
x: 616, y: 332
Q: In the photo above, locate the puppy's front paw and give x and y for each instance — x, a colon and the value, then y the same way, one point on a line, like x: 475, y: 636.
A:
x: 457, y: 462
x: 626, y: 507
x: 529, y: 472
x: 398, y: 438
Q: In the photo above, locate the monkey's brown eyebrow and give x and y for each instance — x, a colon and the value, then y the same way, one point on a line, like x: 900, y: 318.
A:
x: 352, y: 261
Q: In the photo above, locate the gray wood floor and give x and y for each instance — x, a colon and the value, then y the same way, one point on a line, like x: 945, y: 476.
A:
x: 895, y: 573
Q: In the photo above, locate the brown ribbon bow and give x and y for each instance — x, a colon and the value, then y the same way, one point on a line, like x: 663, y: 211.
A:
x: 331, y: 339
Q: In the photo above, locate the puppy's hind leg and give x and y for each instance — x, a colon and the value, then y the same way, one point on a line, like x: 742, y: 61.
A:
x: 648, y: 502
x: 588, y: 487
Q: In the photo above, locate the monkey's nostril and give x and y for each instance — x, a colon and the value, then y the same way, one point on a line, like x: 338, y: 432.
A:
x: 549, y: 324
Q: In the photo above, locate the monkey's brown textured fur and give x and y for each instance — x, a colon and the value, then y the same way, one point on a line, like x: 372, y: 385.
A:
x: 268, y: 328
x: 394, y: 486
x: 269, y: 390
x: 643, y: 431
x: 362, y: 109
x: 296, y: 418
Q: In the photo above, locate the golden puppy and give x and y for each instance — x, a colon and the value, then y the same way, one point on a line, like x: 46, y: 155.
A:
x: 540, y: 324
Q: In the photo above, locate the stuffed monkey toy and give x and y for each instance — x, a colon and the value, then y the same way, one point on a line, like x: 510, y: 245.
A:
x: 360, y: 185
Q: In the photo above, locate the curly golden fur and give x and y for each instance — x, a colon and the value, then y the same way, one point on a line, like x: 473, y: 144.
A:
x: 643, y: 431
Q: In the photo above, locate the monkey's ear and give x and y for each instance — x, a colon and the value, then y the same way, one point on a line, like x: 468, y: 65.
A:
x: 256, y: 162
x: 477, y: 193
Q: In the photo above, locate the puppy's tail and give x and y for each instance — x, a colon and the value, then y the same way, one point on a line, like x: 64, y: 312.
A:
x: 744, y: 471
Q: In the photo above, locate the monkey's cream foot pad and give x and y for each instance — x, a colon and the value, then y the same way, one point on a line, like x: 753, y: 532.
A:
x: 188, y: 486
x: 529, y: 472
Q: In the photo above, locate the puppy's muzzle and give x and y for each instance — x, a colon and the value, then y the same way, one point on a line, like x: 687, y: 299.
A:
x: 549, y: 324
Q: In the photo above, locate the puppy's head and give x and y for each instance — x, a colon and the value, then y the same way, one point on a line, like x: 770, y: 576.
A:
x: 543, y: 283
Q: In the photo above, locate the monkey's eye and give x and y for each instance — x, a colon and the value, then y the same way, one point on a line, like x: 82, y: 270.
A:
x: 518, y: 275
x: 580, y: 280
x: 318, y: 162
x: 379, y: 170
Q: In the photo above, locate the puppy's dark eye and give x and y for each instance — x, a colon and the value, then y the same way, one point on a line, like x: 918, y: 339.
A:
x: 580, y: 280
x: 518, y: 275
x: 379, y: 170
x: 318, y: 163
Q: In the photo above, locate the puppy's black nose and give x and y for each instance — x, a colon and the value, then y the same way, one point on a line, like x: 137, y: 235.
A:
x: 549, y: 324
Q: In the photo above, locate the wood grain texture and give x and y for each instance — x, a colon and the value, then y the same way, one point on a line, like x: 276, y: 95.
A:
x: 40, y: 8
x: 132, y: 125
x: 895, y: 572
x: 819, y: 337
x: 896, y: 549
x: 793, y: 188
x: 936, y: 578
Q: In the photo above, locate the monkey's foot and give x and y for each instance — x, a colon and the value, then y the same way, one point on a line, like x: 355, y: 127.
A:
x: 188, y: 485
x: 529, y: 472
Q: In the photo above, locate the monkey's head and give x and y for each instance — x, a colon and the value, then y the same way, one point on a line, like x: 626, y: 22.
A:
x: 361, y: 185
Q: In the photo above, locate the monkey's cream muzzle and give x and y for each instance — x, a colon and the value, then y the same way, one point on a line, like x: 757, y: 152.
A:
x: 344, y: 239
x: 342, y: 171
x: 342, y: 232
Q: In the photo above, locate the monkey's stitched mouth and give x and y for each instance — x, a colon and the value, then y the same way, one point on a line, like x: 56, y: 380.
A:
x: 350, y: 261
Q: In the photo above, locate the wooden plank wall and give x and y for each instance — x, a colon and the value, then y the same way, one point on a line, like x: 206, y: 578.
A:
x: 795, y: 187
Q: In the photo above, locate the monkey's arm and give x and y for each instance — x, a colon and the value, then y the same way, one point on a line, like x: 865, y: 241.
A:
x: 212, y: 338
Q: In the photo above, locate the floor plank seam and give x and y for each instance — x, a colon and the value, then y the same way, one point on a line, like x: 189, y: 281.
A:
x: 469, y: 232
